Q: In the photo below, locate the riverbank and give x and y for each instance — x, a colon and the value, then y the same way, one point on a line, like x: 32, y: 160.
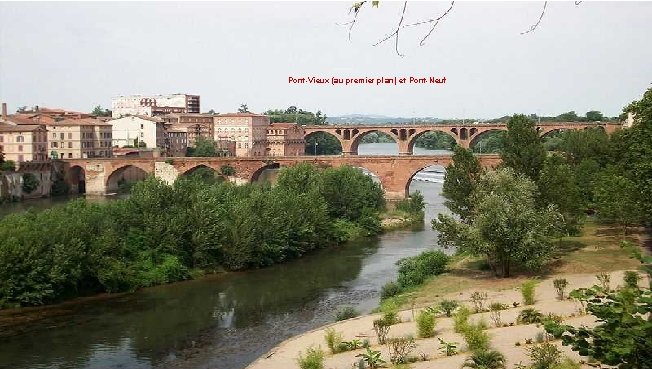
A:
x: 579, y: 259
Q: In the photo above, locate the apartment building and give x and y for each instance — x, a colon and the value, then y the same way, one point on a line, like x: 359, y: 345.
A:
x: 21, y: 143
x: 285, y: 139
x: 79, y: 138
x: 153, y: 105
x: 176, y: 142
x: 248, y: 130
x: 138, y: 131
x: 195, y: 125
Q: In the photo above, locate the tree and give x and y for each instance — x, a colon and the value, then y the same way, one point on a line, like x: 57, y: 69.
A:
x: 460, y: 181
x: 557, y: 186
x: 30, y: 183
x: 204, y: 147
x: 21, y: 109
x: 506, y: 225
x: 622, y: 336
x: 211, y: 111
x: 617, y: 200
x: 571, y: 116
x: 8, y: 165
x: 98, y: 111
x: 243, y: 108
x: 227, y: 170
x: 594, y: 116
x: 485, y: 359
x: 523, y: 151
x: 435, y: 140
x: 632, y: 150
x: 291, y: 110
x: 322, y: 143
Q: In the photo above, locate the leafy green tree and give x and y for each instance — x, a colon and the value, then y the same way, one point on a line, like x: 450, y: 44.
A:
x: 30, y: 183
x: 622, y: 335
x: 204, y: 147
x: 594, y: 116
x: 435, y: 140
x: 101, y: 112
x: 491, y: 142
x: 587, y: 174
x: 579, y: 145
x: 322, y: 143
x: 8, y: 165
x: 558, y: 186
x: 632, y: 150
x: 243, y: 108
x: 571, y: 116
x: 460, y: 181
x: 617, y: 200
x: 227, y: 170
x: 486, y: 359
x: 507, y: 227
x: 523, y: 151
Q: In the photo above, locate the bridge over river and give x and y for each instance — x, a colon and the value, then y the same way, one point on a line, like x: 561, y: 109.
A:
x: 102, y: 175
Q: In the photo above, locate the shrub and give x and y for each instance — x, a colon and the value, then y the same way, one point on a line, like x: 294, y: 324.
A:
x: 631, y: 279
x: 448, y: 306
x: 345, y: 313
x: 425, y: 324
x: 169, y: 161
x: 447, y: 348
x: 30, y: 183
x: 400, y: 348
x: 605, y: 281
x: 372, y: 358
x: 528, y: 290
x: 227, y: 170
x: 8, y: 165
x: 390, y: 289
x: 479, y: 299
x: 476, y: 338
x: 413, y: 205
x: 567, y: 363
x: 354, y: 344
x: 314, y: 359
x: 333, y: 340
x: 461, y: 319
x: 390, y: 317
x: 560, y: 286
x: 530, y: 316
x: 485, y: 359
x: 544, y: 356
x: 382, y: 329
x: 540, y: 337
x: 415, y: 270
x: 494, y: 312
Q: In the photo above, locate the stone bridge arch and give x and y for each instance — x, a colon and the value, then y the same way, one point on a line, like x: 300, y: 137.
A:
x: 128, y: 172
x: 445, y: 130
x: 324, y: 131
x: 392, y: 133
x: 478, y: 136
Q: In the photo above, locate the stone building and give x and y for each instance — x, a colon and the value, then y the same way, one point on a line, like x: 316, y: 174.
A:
x: 153, y: 105
x: 23, y: 142
x: 285, y: 139
x: 138, y: 131
x: 195, y: 125
x: 248, y: 130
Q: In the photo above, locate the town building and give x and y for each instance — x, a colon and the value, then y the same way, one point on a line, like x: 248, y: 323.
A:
x: 195, y: 125
x: 24, y: 142
x: 153, y: 105
x: 79, y: 138
x: 248, y: 130
x: 176, y: 142
x: 285, y: 139
x: 138, y: 131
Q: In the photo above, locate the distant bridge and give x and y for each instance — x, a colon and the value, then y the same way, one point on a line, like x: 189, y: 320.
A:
x: 102, y: 175
x: 466, y: 135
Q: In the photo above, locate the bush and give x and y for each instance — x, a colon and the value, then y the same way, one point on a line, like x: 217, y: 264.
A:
x: 605, y: 281
x: 476, y: 338
x: 382, y: 329
x: 390, y: 289
x: 544, y: 356
x: 567, y: 363
x: 631, y: 279
x: 30, y: 183
x: 400, y: 348
x: 333, y: 340
x: 448, y: 306
x: 314, y: 359
x: 560, y: 286
x: 485, y: 359
x: 479, y: 299
x: 413, y: 205
x: 495, y: 312
x: 425, y: 324
x: 461, y: 319
x: 530, y: 316
x: 413, y: 271
x: 528, y: 291
x: 345, y: 313
x: 8, y: 165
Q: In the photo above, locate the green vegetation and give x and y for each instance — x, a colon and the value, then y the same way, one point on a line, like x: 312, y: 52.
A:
x: 377, y: 137
x: 314, y: 359
x: 448, y: 306
x: 205, y: 147
x: 530, y: 316
x: 345, y: 313
x: 544, y: 356
x: 425, y: 324
x: 435, y: 140
x: 461, y: 319
x: 528, y: 289
x: 476, y: 337
x: 333, y: 340
x: 461, y: 177
x: 413, y: 271
x: 486, y: 359
x: 400, y: 348
x: 30, y: 183
x: 560, y: 285
x: 372, y: 358
x: 490, y: 142
x: 447, y: 348
x: 8, y: 165
x: 165, y: 233
x: 523, y: 149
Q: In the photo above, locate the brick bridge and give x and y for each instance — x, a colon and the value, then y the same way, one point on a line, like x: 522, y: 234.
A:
x: 100, y: 176
x: 466, y: 135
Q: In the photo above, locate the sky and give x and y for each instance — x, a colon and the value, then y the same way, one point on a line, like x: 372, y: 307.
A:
x: 76, y: 55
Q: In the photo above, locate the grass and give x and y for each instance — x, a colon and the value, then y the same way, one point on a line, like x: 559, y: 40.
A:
x: 596, y: 250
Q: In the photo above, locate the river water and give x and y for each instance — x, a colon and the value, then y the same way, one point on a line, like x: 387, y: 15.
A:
x: 220, y: 321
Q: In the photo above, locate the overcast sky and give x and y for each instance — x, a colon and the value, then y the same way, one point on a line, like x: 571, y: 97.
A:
x: 595, y: 56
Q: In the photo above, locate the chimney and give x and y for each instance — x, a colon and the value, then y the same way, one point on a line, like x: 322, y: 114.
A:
x: 4, y: 111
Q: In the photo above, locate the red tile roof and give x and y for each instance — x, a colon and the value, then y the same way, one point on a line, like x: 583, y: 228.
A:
x: 245, y: 115
x: 19, y: 128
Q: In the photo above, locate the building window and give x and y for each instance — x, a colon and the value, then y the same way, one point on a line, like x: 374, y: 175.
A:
x: 54, y: 135
x: 2, y: 139
x: 69, y: 155
x: 70, y: 136
x: 20, y: 158
x: 54, y: 145
x: 70, y: 145
x: 61, y: 136
x: 20, y: 139
x: 20, y: 147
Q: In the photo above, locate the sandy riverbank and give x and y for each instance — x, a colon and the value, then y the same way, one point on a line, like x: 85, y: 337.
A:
x: 503, y: 339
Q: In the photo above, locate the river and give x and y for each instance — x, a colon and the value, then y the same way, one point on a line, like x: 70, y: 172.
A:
x: 219, y: 321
